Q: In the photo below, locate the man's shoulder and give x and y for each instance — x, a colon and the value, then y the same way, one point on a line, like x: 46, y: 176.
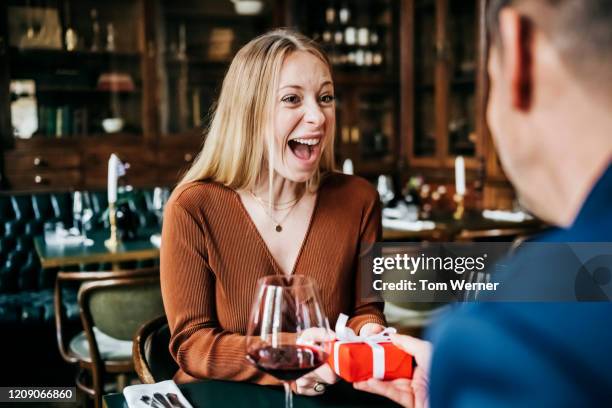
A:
x: 536, y: 347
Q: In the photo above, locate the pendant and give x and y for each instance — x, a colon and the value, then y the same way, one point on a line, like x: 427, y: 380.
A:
x: 278, y: 228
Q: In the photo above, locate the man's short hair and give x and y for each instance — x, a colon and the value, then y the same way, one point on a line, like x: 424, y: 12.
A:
x: 581, y: 31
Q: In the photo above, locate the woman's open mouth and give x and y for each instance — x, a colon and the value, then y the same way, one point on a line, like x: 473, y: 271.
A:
x: 305, y: 148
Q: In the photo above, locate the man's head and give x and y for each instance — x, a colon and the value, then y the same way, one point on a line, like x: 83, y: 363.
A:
x: 550, y: 101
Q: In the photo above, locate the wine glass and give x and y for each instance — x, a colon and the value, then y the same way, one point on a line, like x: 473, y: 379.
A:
x: 288, y: 334
x: 77, y: 212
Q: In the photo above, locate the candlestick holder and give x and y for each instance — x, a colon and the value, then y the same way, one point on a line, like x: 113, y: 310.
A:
x: 458, y: 214
x: 113, y: 242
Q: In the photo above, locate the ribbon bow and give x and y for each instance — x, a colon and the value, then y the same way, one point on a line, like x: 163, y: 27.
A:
x: 346, y: 335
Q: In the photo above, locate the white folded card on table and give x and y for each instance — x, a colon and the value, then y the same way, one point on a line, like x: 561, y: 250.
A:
x: 509, y: 216
x: 405, y: 225
x: 163, y: 394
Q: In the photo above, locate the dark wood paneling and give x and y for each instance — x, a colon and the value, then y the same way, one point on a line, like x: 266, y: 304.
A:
x: 42, y: 160
x: 44, y: 179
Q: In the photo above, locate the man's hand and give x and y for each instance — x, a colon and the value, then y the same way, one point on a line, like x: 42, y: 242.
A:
x: 370, y: 328
x: 408, y: 393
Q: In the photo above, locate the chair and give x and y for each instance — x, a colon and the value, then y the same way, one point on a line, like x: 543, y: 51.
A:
x: 112, y: 307
x: 152, y: 359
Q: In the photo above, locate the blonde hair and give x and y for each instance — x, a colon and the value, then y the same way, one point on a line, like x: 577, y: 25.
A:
x: 242, y: 125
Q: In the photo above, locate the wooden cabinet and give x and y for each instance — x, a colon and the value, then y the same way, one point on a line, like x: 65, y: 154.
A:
x: 75, y: 83
x: 131, y: 77
x: 43, y: 164
x: 361, y: 39
x: 141, y: 162
x: 367, y: 131
x: 410, y: 79
x: 174, y: 156
x: 442, y: 95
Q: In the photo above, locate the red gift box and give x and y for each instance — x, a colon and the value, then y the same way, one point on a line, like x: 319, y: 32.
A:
x: 357, y: 358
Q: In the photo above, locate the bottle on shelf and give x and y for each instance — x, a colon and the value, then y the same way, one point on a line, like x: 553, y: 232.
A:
x: 110, y: 37
x: 95, y: 31
x: 71, y: 38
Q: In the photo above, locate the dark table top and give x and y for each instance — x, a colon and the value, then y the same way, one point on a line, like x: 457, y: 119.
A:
x: 215, y: 393
x: 471, y: 226
x: 65, y: 255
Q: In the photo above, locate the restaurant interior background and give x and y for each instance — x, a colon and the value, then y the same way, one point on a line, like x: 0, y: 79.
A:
x: 81, y: 79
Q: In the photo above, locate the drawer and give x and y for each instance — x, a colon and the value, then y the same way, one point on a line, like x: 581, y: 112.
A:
x: 36, y: 161
x: 138, y: 179
x: 139, y: 159
x: 141, y: 173
x: 176, y: 158
x: 63, y: 179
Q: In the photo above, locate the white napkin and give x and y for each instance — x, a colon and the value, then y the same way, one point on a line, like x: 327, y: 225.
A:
x: 147, y: 395
x: 404, y: 225
x: 509, y: 216
x: 393, y: 213
x: 156, y: 240
x: 67, y: 240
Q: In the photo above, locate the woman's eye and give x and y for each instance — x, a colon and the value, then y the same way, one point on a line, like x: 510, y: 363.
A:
x: 327, y: 98
x: 292, y: 99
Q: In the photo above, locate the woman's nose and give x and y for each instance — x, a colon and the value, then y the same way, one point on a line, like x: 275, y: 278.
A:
x: 314, y: 115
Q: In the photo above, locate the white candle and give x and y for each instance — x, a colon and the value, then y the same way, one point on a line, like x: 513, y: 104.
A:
x: 460, y: 176
x: 116, y: 169
x: 347, y: 167
x: 112, y: 178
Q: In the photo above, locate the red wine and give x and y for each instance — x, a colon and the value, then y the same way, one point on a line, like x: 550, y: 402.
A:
x: 288, y: 362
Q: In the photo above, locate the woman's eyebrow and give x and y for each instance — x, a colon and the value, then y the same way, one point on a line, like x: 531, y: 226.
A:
x: 324, y: 84
x: 290, y: 86
x: 301, y: 87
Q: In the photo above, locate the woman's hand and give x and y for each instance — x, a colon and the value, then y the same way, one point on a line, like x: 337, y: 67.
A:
x: 309, y: 384
x: 314, y: 382
x: 408, y: 393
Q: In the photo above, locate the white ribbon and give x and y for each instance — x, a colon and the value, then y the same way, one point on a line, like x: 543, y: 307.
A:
x: 346, y: 335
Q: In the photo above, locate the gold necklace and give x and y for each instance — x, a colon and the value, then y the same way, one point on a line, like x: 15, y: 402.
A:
x: 278, y: 227
x: 277, y: 206
x: 281, y: 206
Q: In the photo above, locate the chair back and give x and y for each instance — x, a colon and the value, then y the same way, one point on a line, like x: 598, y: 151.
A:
x: 64, y: 331
x: 152, y: 360
x: 116, y: 303
x: 118, y: 307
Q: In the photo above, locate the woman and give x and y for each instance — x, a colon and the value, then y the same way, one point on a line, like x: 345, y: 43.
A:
x: 262, y: 199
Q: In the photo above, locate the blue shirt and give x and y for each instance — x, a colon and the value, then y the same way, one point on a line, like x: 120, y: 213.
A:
x: 531, y: 354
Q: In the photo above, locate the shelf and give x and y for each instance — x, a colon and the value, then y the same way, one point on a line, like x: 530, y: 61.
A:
x: 363, y: 78
x: 79, y: 54
x: 42, y: 142
x: 83, y: 90
x: 216, y: 18
x: 220, y: 65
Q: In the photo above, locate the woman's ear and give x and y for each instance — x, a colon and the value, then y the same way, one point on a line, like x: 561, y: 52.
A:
x: 517, y: 56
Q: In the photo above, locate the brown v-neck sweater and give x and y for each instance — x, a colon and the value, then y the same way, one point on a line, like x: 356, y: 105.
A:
x: 212, y: 256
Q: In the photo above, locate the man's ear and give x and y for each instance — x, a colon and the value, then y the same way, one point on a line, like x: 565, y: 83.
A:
x: 518, y: 48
